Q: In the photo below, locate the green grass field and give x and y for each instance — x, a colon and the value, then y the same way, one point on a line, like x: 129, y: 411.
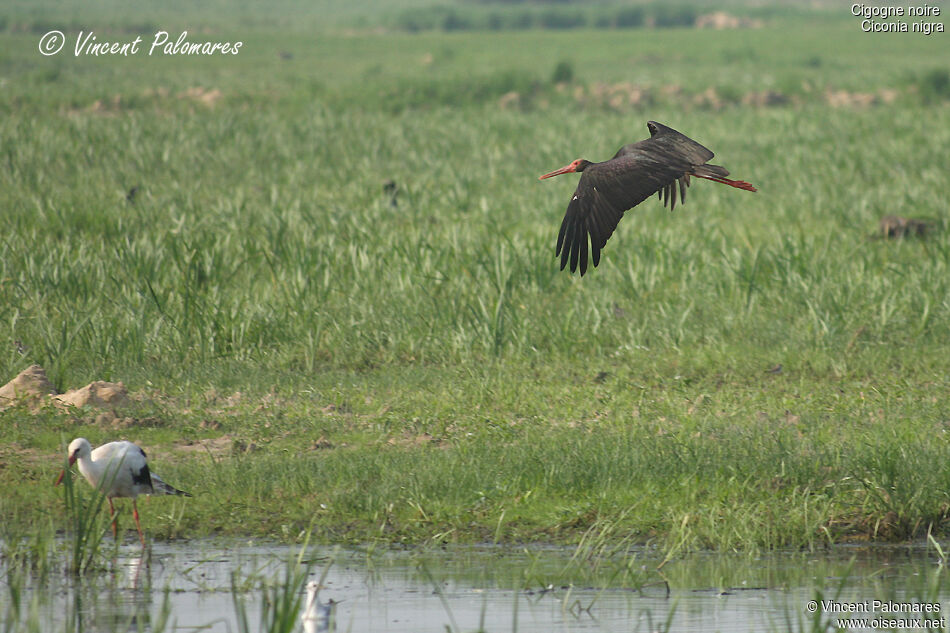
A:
x: 424, y: 371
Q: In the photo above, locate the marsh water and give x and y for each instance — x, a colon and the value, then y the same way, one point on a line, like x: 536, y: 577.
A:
x: 218, y: 586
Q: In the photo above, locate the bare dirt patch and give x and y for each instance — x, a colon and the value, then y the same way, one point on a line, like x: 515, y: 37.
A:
x: 720, y: 20
x: 216, y: 447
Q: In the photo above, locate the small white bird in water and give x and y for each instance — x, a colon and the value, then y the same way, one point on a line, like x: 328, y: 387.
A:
x: 318, y: 616
x: 118, y: 469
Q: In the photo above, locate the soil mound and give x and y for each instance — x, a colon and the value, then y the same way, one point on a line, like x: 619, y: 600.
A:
x: 98, y: 394
x: 30, y: 385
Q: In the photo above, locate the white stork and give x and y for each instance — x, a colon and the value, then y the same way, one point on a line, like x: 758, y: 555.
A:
x: 118, y: 469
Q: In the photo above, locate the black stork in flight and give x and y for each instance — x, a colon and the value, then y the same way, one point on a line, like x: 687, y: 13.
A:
x: 636, y: 172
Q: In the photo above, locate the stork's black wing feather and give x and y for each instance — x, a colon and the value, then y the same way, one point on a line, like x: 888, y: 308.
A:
x: 144, y: 476
x: 656, y: 165
x: 604, y: 192
x: 667, y: 141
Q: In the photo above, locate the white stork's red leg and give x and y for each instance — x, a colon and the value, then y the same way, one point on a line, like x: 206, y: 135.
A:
x: 115, y: 528
x: 135, y: 513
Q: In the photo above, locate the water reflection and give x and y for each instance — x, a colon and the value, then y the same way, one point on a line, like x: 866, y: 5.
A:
x: 121, y: 598
x: 227, y: 587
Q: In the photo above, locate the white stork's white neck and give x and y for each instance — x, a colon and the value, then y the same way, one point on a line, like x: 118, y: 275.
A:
x: 91, y: 470
x: 102, y: 472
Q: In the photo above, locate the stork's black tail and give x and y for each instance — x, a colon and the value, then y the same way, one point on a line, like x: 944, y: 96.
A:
x: 159, y: 487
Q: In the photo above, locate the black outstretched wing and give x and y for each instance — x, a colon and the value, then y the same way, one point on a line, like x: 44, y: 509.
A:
x: 637, y: 171
x: 604, y: 192
x: 666, y: 144
x: 665, y: 141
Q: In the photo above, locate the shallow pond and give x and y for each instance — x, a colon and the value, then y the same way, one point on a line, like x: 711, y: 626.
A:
x: 211, y: 585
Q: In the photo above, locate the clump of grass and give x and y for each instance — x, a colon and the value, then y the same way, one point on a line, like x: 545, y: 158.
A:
x: 622, y: 18
x: 563, y: 73
x: 281, y: 598
x: 935, y: 85
x: 451, y: 18
x: 33, y: 550
x: 668, y: 15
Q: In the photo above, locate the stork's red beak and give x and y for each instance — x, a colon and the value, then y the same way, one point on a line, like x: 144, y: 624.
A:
x: 563, y: 170
x: 59, y: 480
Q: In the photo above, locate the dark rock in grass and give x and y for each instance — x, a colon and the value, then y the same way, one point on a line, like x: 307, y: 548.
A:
x: 239, y: 447
x: 321, y: 443
x: 391, y: 189
x: 893, y: 226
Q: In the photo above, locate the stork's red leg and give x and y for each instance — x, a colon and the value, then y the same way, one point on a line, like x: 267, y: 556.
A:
x: 135, y: 513
x: 738, y: 184
x: 115, y: 528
